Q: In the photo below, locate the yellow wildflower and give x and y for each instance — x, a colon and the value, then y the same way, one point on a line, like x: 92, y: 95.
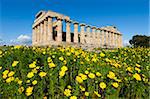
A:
x: 64, y: 68
x: 69, y: 87
x: 79, y: 79
x: 67, y: 92
x: 98, y: 74
x: 102, y: 85
x: 137, y: 77
x: 51, y: 65
x: 32, y: 65
x: 42, y: 74
x: 84, y: 77
x: 21, y: 89
x: 61, y: 58
x: 29, y: 91
x: 97, y: 94
x: 8, y: 80
x: 137, y: 65
x: 34, y: 82
x: 30, y: 74
x: 102, y: 54
x: 34, y: 70
x: 19, y: 82
x: 73, y: 97
x: 28, y: 81
x: 61, y: 73
x: 4, y: 76
x: 15, y: 63
x: 129, y: 69
x: 49, y: 59
x: 86, y: 94
x: 82, y: 88
x: 11, y: 73
x: 1, y: 52
x: 5, y: 72
x: 86, y: 72
x: 91, y: 75
x: 137, y: 69
x: 115, y: 84
x: 0, y: 67
x: 111, y: 75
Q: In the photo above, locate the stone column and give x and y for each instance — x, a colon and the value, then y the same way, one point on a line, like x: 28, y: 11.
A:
x: 68, y: 31
x: 102, y: 38
x: 59, y: 30
x: 109, y: 39
x: 121, y: 45
x: 117, y: 40
x: 75, y: 32
x: 98, y: 37
x: 112, y: 39
x: 82, y: 33
x: 88, y: 37
x: 50, y: 30
x: 93, y: 35
x: 33, y: 36
x: 106, y: 38
x: 45, y: 32
x: 41, y: 32
x: 38, y: 34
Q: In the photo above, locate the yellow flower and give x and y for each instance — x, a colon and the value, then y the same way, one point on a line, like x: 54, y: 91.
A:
x: 115, y: 84
x: 34, y: 82
x: 84, y: 77
x: 67, y: 92
x: 1, y: 52
x: 11, y: 73
x: 64, y: 68
x: 0, y: 67
x: 137, y: 65
x: 51, y: 65
x: 102, y: 85
x: 79, y: 79
x: 28, y: 81
x: 19, y: 82
x: 29, y: 91
x: 137, y: 69
x: 98, y: 74
x: 61, y: 58
x: 5, y: 72
x: 73, y: 97
x: 69, y: 87
x: 30, y: 74
x: 129, y: 69
x: 82, y: 88
x: 32, y: 65
x: 49, y: 59
x: 86, y: 94
x: 8, y: 80
x: 21, y: 89
x: 91, y: 75
x: 34, y: 70
x: 137, y: 77
x: 61, y: 73
x: 42, y: 74
x: 111, y: 75
x: 4, y: 76
x: 97, y: 94
x: 86, y: 72
x: 15, y: 63
x: 102, y: 54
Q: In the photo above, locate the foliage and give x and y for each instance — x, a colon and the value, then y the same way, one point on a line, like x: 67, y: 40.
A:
x: 62, y: 73
x: 140, y: 41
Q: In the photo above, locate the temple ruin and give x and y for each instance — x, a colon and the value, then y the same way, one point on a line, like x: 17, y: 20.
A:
x: 51, y: 28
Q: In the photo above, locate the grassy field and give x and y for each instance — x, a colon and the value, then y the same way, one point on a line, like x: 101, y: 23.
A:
x: 69, y: 73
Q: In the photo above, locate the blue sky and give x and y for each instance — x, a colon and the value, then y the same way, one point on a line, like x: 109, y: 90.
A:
x: 130, y: 16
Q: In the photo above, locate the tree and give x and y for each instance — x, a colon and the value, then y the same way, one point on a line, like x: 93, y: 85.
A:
x: 140, y: 41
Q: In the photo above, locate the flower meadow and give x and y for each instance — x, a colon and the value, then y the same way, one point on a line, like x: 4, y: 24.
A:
x: 73, y: 73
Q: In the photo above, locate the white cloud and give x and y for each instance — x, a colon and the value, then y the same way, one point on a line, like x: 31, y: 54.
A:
x: 126, y: 43
x: 21, y: 40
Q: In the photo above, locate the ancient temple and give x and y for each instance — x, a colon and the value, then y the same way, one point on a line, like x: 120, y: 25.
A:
x: 48, y: 29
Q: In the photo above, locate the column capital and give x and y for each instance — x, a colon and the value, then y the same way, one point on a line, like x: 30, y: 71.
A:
x: 68, y: 21
x: 82, y: 24
x: 75, y: 22
x: 93, y: 27
x: 87, y: 26
x: 59, y: 18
